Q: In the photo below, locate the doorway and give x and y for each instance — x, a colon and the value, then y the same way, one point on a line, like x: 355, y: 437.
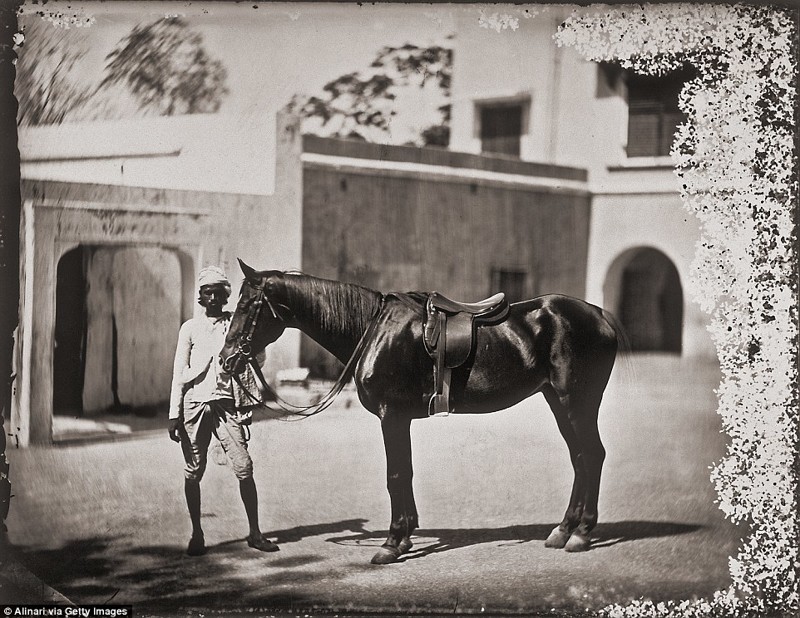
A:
x: 69, y: 353
x: 118, y: 312
x: 647, y: 297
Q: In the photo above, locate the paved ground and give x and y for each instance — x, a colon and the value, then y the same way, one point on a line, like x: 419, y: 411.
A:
x: 104, y: 521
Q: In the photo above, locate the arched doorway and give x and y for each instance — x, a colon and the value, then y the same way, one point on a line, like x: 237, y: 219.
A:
x: 644, y: 289
x: 118, y: 311
x: 69, y: 345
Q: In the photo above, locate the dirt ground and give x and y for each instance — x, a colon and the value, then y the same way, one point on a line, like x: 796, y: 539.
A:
x: 101, y: 519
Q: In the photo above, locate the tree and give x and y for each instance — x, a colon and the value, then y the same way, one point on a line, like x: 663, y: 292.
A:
x: 46, y: 88
x: 363, y: 104
x: 166, y: 67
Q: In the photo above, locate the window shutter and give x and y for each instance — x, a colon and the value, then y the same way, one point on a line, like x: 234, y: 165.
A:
x: 644, y: 129
x: 511, y: 282
x: 501, y: 129
x: 653, y: 112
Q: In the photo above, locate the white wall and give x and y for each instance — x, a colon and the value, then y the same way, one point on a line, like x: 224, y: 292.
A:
x: 174, y: 233
x: 636, y: 202
x: 490, y: 65
x: 625, y: 221
x: 197, y: 152
x: 569, y: 124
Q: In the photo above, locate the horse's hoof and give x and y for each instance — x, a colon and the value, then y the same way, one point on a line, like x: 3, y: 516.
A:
x: 386, y: 555
x: 557, y: 539
x: 577, y: 542
x: 405, y: 545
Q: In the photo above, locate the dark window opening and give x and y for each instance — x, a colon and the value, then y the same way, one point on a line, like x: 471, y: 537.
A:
x: 501, y: 129
x: 653, y: 113
x: 511, y: 282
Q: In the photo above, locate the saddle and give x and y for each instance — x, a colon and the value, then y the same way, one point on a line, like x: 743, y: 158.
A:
x: 449, y: 337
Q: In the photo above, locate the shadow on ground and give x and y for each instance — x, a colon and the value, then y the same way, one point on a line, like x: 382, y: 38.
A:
x: 164, y: 579
x: 604, y: 535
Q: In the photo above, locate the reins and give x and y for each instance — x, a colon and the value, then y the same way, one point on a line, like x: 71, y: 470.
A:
x: 325, y: 402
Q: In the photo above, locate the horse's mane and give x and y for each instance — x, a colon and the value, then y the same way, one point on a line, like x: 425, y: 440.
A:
x: 347, y: 309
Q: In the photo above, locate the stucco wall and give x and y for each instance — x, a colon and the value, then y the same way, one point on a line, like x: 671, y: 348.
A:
x: 139, y: 224
x: 413, y: 227
x: 579, y: 117
x: 520, y: 64
x: 621, y: 222
x: 572, y: 119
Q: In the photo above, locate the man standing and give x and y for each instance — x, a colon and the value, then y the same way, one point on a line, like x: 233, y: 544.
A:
x: 204, y: 401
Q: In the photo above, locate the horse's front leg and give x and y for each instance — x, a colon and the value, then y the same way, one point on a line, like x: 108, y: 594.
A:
x: 396, y: 428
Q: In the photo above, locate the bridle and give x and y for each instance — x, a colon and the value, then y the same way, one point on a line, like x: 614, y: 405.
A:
x: 243, y: 346
x: 244, y: 349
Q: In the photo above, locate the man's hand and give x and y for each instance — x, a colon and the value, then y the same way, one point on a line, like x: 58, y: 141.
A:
x: 175, y: 428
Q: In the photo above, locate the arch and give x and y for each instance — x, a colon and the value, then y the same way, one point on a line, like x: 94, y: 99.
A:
x: 117, y: 313
x: 643, y: 288
x: 69, y: 333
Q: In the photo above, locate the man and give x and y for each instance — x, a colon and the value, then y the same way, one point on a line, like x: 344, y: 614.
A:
x: 204, y: 401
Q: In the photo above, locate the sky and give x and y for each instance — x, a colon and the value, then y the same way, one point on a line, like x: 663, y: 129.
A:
x: 271, y: 52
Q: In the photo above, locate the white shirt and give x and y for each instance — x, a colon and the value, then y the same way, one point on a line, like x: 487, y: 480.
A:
x: 196, y: 374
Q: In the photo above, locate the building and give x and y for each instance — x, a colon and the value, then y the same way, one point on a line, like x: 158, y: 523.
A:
x: 517, y: 94
x: 557, y: 179
x: 118, y: 218
x: 398, y: 218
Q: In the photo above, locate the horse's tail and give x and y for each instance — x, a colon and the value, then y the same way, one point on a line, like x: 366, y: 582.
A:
x: 623, y: 341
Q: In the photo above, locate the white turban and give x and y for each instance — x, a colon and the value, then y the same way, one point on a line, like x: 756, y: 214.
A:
x: 211, y: 275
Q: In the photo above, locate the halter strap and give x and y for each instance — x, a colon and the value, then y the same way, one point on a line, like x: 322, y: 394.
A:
x: 245, y: 339
x: 326, y: 401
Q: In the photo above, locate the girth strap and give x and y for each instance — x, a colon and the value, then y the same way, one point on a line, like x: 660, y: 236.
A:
x: 449, y: 337
x: 439, y: 405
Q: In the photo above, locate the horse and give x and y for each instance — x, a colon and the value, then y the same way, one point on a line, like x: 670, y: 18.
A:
x: 560, y: 346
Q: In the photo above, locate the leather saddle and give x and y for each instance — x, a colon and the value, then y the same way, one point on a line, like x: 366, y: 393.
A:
x: 449, y: 337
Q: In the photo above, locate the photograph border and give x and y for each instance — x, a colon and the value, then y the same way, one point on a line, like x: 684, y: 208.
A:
x: 736, y: 160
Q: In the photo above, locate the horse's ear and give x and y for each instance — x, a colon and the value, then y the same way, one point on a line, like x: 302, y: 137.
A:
x: 249, y: 273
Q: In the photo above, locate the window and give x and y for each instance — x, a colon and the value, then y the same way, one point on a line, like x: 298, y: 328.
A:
x: 653, y: 113
x: 501, y: 128
x: 511, y: 282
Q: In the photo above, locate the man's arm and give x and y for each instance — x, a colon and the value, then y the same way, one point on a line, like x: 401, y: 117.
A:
x: 179, y: 367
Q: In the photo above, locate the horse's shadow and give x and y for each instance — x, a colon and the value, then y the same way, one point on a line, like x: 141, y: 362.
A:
x: 434, y: 541
x: 298, y: 533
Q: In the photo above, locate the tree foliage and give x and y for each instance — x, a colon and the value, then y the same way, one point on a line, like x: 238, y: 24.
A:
x: 166, y: 67
x: 163, y: 64
x: 362, y: 104
x: 46, y: 86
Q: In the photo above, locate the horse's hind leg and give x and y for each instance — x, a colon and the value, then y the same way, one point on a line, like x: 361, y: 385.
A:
x: 560, y: 535
x: 577, y: 421
x: 584, y: 423
x: 396, y: 430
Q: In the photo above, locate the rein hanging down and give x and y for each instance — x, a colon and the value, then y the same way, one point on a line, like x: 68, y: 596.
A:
x: 244, y: 349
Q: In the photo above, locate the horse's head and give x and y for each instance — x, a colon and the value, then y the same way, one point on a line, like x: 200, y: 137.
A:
x: 256, y: 322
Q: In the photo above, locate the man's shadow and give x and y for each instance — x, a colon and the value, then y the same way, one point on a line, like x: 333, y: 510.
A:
x: 434, y: 541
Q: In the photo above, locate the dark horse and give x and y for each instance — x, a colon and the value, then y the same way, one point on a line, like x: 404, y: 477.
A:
x: 560, y: 346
